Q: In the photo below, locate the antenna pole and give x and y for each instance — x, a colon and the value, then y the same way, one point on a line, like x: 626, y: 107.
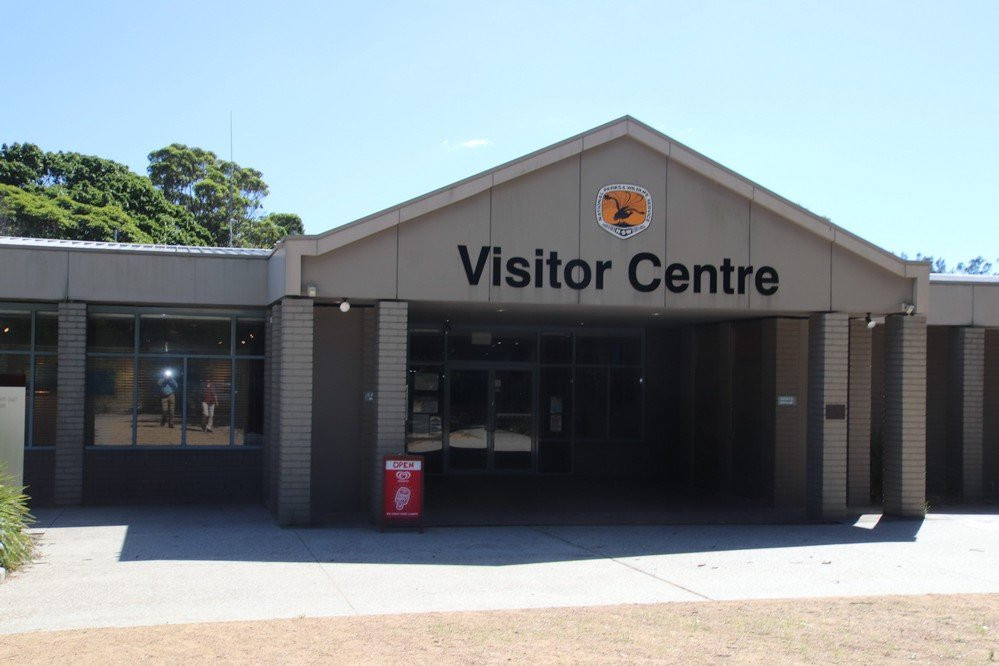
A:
x: 232, y: 184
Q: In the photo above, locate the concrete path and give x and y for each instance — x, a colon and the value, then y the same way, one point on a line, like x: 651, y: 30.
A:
x: 151, y: 565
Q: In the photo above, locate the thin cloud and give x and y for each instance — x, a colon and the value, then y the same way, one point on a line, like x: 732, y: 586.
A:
x: 470, y: 144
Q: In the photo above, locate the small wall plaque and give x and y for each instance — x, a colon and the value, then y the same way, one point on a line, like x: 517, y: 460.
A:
x: 787, y: 401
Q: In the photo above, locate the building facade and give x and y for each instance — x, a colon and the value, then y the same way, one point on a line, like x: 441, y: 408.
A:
x: 614, y: 307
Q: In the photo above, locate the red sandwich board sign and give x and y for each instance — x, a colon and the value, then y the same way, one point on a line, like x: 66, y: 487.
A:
x: 403, y: 503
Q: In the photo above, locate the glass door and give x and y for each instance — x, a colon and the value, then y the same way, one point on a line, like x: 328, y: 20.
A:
x: 491, y: 420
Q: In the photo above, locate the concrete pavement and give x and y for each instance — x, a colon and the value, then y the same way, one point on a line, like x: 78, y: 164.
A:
x: 153, y: 565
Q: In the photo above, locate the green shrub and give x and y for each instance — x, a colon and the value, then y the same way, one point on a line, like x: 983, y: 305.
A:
x: 15, y: 543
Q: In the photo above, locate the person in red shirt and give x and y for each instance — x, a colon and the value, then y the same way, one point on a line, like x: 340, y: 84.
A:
x: 208, y: 402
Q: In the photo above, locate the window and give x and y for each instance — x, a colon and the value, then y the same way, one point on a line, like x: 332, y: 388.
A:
x: 29, y: 340
x: 174, y: 379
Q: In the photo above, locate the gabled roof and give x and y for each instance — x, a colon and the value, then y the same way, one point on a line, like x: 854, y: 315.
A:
x: 626, y: 126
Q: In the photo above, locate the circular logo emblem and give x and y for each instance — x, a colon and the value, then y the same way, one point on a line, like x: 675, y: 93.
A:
x: 624, y: 210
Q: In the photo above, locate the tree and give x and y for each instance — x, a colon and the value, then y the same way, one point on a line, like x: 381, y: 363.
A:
x: 218, y: 193
x: 977, y: 266
x: 69, y: 195
x: 189, y: 198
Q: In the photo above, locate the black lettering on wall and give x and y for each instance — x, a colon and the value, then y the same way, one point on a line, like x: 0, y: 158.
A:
x: 584, y: 280
x: 677, y: 278
x: 633, y: 271
x: 473, y: 275
x: 519, y: 276
x: 767, y: 280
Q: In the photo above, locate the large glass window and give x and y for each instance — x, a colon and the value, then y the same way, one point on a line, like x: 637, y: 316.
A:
x: 589, y: 392
x: 169, y: 379
x: 29, y: 340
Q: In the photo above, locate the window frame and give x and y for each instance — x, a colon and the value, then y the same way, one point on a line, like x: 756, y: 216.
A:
x: 32, y: 353
x: 136, y: 356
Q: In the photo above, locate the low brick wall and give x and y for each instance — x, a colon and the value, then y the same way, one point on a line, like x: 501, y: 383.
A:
x: 176, y: 476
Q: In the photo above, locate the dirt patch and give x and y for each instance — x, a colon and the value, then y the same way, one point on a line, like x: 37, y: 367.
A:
x: 881, y: 629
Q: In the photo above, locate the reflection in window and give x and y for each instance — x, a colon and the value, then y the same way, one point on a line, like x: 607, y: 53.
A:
x: 167, y: 334
x: 161, y: 401
x: 15, y: 331
x: 209, y: 384
x: 249, y: 403
x: 111, y: 333
x: 33, y: 362
x: 184, y: 391
x: 46, y: 383
x: 108, y: 406
x: 486, y: 346
x: 250, y: 337
x: 47, y: 331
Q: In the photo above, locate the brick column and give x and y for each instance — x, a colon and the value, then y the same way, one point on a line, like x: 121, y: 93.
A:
x: 688, y: 399
x: 294, y: 374
x: 391, y: 335
x: 858, y: 490
x: 828, y: 379
x: 724, y: 424
x: 967, y: 390
x: 785, y: 374
x: 70, y: 403
x: 271, y: 402
x: 905, y: 416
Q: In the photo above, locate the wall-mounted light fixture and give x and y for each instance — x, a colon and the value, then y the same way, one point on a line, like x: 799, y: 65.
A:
x: 870, y: 322
x: 908, y: 308
x: 345, y: 305
x: 311, y: 290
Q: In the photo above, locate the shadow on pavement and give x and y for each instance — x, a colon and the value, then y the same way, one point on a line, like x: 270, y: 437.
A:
x: 249, y: 534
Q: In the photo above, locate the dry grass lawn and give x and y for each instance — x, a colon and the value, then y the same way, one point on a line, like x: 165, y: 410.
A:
x: 932, y: 628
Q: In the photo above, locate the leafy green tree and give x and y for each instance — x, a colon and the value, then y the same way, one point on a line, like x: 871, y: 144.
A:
x: 69, y: 195
x: 190, y: 198
x: 270, y: 229
x: 217, y: 192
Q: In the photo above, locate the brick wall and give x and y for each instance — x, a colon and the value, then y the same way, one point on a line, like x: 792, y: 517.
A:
x: 828, y: 385
x: 274, y: 408
x: 39, y: 475
x: 990, y: 413
x: 965, y: 431
x: 905, y: 416
x: 70, y: 403
x: 859, y: 413
x: 294, y: 455
x: 172, y: 476
x: 369, y: 413
x: 938, y: 398
x: 269, y: 444
x: 391, y: 337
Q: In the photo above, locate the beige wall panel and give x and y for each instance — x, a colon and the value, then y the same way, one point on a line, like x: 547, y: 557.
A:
x: 537, y: 211
x: 32, y: 275
x: 860, y: 286
x: 951, y: 305
x: 365, y: 269
x: 430, y: 267
x: 621, y: 161
x: 986, y: 305
x: 801, y: 259
x: 705, y: 223
x: 147, y: 278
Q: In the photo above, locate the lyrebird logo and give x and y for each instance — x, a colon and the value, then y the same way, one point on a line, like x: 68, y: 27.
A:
x: 624, y: 210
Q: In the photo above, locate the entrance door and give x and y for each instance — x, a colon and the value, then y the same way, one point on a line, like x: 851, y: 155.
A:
x: 491, y: 420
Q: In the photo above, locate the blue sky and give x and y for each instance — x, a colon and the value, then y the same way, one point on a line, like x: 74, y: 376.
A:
x: 881, y: 116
